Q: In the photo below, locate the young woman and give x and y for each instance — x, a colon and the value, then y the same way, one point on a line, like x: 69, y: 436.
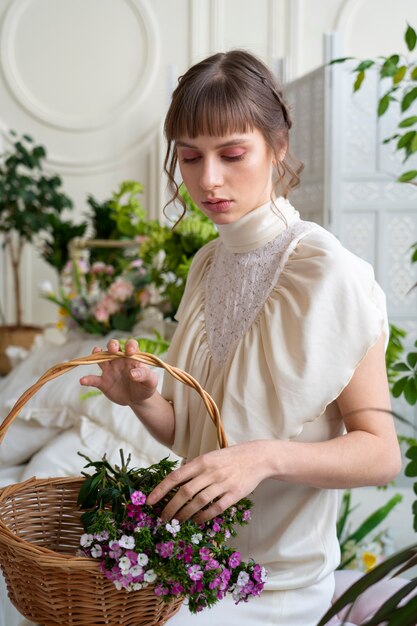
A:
x: 286, y: 330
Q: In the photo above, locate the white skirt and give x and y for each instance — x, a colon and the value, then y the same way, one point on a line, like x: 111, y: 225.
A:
x: 294, y: 607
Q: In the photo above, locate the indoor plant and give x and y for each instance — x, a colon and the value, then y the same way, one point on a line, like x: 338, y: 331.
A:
x: 31, y: 205
x: 401, y: 73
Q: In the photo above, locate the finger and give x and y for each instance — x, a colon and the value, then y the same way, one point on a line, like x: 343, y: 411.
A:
x: 174, y: 479
x: 113, y: 346
x: 200, y: 501
x: 91, y: 381
x: 131, y: 347
x: 187, y: 493
x: 215, y: 509
x: 143, y: 374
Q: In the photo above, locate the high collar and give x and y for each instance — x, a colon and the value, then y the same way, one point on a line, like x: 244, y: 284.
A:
x: 259, y: 227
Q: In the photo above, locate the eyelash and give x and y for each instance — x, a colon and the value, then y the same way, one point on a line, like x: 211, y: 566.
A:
x: 231, y: 159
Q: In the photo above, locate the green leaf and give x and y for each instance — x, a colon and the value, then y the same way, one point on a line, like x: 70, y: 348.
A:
x: 407, y: 176
x: 366, y: 581
x: 412, y: 359
x: 340, y: 60
x: 410, y: 391
x: 364, y: 65
x: 408, y: 99
x: 411, y: 469
x: 400, y: 367
x: 410, y: 38
x: 399, y: 74
x: 375, y: 519
x: 383, y: 104
x: 406, y: 139
x: 387, y: 608
x: 359, y: 80
x: 414, y: 73
x: 408, y: 121
x: 412, y: 453
x: 398, y: 388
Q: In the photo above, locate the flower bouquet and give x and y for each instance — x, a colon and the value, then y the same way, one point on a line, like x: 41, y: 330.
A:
x: 100, y: 297
x: 137, y: 549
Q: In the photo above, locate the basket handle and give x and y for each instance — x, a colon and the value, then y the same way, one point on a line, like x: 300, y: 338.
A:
x: 102, y: 357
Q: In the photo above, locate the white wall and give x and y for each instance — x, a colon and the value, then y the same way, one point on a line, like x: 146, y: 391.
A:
x: 90, y: 79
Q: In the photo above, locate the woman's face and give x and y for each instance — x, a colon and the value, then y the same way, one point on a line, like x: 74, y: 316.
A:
x: 228, y: 176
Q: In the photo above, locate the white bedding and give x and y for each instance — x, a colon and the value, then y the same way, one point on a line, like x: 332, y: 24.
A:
x: 56, y: 423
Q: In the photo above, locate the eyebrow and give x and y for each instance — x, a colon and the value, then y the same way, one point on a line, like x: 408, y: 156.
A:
x: 232, y: 142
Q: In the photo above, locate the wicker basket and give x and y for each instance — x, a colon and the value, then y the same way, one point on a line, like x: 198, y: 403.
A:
x: 40, y: 529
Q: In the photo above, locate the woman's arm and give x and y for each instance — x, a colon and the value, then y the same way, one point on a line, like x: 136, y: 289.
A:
x: 128, y: 382
x: 368, y: 454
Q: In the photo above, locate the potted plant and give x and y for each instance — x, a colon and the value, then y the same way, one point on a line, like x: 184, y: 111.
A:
x: 31, y: 205
x: 400, y: 607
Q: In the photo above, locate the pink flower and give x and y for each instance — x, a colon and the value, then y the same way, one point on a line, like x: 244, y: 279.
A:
x: 195, y: 572
x: 121, y: 290
x: 165, y: 549
x: 205, y: 554
x: 104, y: 308
x: 138, y: 498
x: 177, y: 589
x: 234, y: 559
x: 246, y: 516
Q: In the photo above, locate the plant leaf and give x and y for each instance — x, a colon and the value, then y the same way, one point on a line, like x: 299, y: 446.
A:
x: 359, y: 80
x: 407, y: 176
x: 375, y: 519
x: 383, y: 104
x: 408, y: 121
x: 410, y: 38
x: 386, y: 609
x: 366, y: 581
x: 408, y: 99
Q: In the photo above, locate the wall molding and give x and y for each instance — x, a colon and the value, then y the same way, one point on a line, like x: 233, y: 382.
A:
x: 83, y: 123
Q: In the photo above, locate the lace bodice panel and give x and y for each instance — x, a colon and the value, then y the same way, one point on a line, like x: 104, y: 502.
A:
x: 238, y: 285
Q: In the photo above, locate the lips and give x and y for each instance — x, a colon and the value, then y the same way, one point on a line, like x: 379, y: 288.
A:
x: 217, y: 205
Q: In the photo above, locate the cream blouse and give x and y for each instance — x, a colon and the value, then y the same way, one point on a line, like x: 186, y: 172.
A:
x: 275, y: 318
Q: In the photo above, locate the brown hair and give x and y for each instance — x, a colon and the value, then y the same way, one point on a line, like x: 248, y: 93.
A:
x: 225, y: 93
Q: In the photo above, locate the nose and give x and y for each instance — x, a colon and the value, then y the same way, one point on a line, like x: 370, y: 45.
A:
x: 211, y: 175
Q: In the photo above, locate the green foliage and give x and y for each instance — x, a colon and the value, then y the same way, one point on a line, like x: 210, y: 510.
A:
x: 402, y: 374
x: 407, y: 384
x: 394, y: 351
x: 402, y: 74
x: 352, y: 541
x: 32, y: 204
x: 169, y: 251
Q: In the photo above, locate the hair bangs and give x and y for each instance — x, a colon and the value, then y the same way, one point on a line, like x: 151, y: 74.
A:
x: 216, y: 109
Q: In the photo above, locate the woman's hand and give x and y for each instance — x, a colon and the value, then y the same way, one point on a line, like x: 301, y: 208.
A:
x: 123, y: 381
x: 221, y: 477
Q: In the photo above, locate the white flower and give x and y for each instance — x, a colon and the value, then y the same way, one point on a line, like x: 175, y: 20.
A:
x: 137, y: 586
x: 45, y: 288
x: 86, y: 540
x: 124, y: 564
x: 150, y: 576
x: 174, y: 527
x: 242, y: 579
x: 136, y: 570
x: 142, y: 559
x: 96, y: 551
x: 264, y: 575
x: 196, y: 538
x: 127, y: 542
x: 118, y: 585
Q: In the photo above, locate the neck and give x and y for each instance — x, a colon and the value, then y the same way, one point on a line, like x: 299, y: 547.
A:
x: 259, y: 227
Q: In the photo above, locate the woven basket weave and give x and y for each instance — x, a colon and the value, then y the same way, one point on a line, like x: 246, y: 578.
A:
x: 40, y: 529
